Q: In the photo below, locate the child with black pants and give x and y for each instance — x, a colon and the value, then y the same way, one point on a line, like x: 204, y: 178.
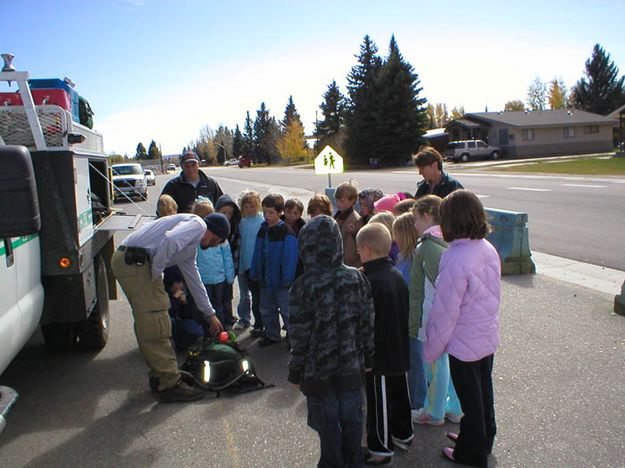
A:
x: 389, y: 421
x: 464, y: 322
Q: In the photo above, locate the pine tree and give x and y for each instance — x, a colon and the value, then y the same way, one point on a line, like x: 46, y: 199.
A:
x: 237, y: 142
x: 266, y: 132
x: 153, y: 151
x: 601, y: 91
x: 557, y: 94
x: 248, y: 138
x: 330, y: 130
x: 537, y: 95
x: 141, y: 153
x: 400, y: 114
x: 514, y: 106
x: 223, y: 141
x: 290, y: 114
x: 360, y: 119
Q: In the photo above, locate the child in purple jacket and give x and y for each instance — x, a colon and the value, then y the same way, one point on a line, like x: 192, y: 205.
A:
x: 464, y: 322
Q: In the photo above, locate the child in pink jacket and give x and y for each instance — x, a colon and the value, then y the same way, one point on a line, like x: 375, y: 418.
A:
x: 464, y: 322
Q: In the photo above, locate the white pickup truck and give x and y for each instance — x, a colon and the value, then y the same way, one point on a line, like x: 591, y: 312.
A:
x: 56, y: 241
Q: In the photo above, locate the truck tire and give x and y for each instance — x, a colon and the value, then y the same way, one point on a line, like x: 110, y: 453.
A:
x: 464, y: 157
x: 59, y: 336
x: 495, y: 155
x: 93, y: 333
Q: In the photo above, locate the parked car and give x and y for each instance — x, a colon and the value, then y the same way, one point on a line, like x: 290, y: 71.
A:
x: 129, y: 181
x: 466, y: 150
x: 231, y: 162
x: 150, y: 176
x: 245, y: 162
x: 170, y: 167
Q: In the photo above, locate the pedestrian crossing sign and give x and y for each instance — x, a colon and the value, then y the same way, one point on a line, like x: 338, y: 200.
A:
x: 328, y: 162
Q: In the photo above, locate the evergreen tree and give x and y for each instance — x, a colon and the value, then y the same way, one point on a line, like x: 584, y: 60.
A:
x: 330, y: 130
x: 141, y: 153
x: 266, y: 132
x: 247, y: 149
x: 361, y: 121
x: 537, y: 95
x: 601, y: 91
x: 237, y: 143
x: 153, y: 151
x: 512, y: 106
x: 400, y: 115
x: 290, y: 114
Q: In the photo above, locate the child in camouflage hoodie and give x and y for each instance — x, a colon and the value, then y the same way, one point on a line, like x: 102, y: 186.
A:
x: 331, y: 330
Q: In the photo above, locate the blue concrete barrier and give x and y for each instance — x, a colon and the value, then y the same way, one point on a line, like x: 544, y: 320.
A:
x: 510, y: 238
x: 619, y: 301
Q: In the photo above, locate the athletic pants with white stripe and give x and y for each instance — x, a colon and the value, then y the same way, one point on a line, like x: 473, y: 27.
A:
x: 388, y: 412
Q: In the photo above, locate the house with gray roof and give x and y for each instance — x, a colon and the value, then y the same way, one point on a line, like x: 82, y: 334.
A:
x: 537, y: 133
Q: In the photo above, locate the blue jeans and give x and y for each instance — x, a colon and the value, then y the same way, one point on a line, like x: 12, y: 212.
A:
x: 272, y: 303
x: 219, y: 297
x: 337, y: 419
x: 416, y: 375
x: 249, y: 301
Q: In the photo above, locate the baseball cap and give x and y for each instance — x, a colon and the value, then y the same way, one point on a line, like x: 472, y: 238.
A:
x: 188, y: 157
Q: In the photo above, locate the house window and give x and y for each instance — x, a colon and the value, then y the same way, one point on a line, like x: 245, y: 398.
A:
x: 569, y: 132
x: 591, y: 129
x: 528, y: 134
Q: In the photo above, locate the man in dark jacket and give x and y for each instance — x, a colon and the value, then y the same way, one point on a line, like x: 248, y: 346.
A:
x: 389, y: 422
x: 331, y: 330
x: 191, y: 184
x: 435, y: 181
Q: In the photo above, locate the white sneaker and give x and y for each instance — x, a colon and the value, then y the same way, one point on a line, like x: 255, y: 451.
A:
x: 415, y: 413
x: 453, y: 418
x: 240, y: 325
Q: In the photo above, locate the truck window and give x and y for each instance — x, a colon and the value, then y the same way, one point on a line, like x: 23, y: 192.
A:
x: 471, y: 144
x: 481, y: 144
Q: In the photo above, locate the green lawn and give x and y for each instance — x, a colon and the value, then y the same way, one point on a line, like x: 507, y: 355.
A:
x: 586, y: 166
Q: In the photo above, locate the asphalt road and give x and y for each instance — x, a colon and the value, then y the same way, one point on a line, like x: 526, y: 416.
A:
x: 558, y: 380
x: 581, y: 218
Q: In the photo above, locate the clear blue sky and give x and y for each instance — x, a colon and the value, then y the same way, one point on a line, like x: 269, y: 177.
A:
x: 159, y: 69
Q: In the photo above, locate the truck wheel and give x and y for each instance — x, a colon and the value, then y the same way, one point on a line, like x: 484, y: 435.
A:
x: 494, y: 155
x: 59, y: 336
x: 94, y: 332
x: 464, y: 157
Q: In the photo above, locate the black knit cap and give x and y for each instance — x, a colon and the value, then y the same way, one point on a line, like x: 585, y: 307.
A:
x: 218, y: 224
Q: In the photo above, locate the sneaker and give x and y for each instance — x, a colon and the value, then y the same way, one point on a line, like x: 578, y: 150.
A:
x: 426, y: 418
x: 256, y: 332
x: 402, y: 444
x: 180, y: 392
x: 267, y: 342
x: 240, y: 325
x: 415, y: 413
x: 453, y: 418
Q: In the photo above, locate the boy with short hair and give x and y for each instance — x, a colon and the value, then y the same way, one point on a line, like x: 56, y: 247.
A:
x: 331, y: 321
x: 166, y: 206
x: 293, y: 210
x: 274, y: 265
x: 389, y: 420
x: 349, y: 221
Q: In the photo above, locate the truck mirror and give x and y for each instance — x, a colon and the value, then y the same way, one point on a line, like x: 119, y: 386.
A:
x: 19, y: 204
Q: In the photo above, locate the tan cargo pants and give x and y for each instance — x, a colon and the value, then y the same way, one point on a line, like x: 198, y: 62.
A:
x: 150, y: 304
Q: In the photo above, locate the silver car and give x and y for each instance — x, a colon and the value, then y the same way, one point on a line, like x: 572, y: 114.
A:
x: 150, y: 176
x: 129, y: 181
x: 466, y: 150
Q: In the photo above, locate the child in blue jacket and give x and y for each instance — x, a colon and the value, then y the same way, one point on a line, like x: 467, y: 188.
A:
x: 274, y: 265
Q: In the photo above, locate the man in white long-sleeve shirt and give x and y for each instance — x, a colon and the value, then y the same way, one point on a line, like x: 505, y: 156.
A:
x: 138, y: 264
